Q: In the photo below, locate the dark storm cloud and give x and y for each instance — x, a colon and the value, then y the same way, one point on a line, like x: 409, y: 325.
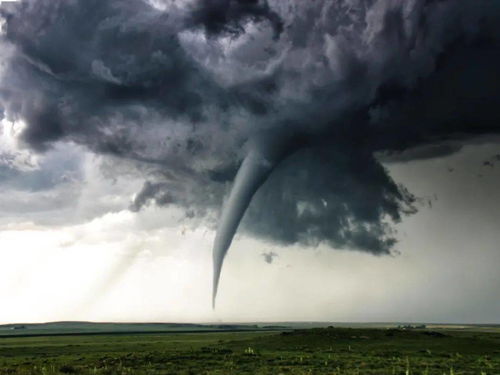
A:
x: 326, y: 205
x: 427, y: 151
x: 229, y: 16
x: 97, y: 71
x: 151, y: 191
x: 182, y: 90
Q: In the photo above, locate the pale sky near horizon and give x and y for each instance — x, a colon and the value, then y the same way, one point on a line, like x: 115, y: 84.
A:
x: 117, y: 149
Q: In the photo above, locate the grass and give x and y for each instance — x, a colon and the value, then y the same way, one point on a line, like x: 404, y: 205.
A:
x: 339, y: 351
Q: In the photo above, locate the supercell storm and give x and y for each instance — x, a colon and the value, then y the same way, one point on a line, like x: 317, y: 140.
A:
x: 279, y: 111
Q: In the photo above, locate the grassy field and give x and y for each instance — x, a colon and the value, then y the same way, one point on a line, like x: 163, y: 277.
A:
x: 313, y: 351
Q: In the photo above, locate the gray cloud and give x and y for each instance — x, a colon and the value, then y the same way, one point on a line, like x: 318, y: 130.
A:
x: 269, y: 257
x: 229, y: 16
x: 181, y: 91
x: 59, y: 167
x: 151, y: 191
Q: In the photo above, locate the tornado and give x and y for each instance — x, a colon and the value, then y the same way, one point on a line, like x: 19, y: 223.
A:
x: 265, y: 152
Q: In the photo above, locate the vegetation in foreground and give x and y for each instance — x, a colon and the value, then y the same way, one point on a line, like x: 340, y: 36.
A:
x: 340, y: 351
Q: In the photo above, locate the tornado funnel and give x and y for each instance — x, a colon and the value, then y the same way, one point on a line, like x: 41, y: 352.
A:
x: 252, y: 173
x: 264, y: 154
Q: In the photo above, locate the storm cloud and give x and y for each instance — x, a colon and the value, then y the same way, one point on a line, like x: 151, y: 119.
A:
x: 183, y: 89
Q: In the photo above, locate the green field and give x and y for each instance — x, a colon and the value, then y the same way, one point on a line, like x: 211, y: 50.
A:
x: 331, y: 350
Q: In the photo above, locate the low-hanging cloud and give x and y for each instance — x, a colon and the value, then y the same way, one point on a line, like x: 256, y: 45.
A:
x: 186, y: 88
x: 269, y: 257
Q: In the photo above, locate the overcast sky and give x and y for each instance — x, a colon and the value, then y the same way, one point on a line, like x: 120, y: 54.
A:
x: 379, y: 122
